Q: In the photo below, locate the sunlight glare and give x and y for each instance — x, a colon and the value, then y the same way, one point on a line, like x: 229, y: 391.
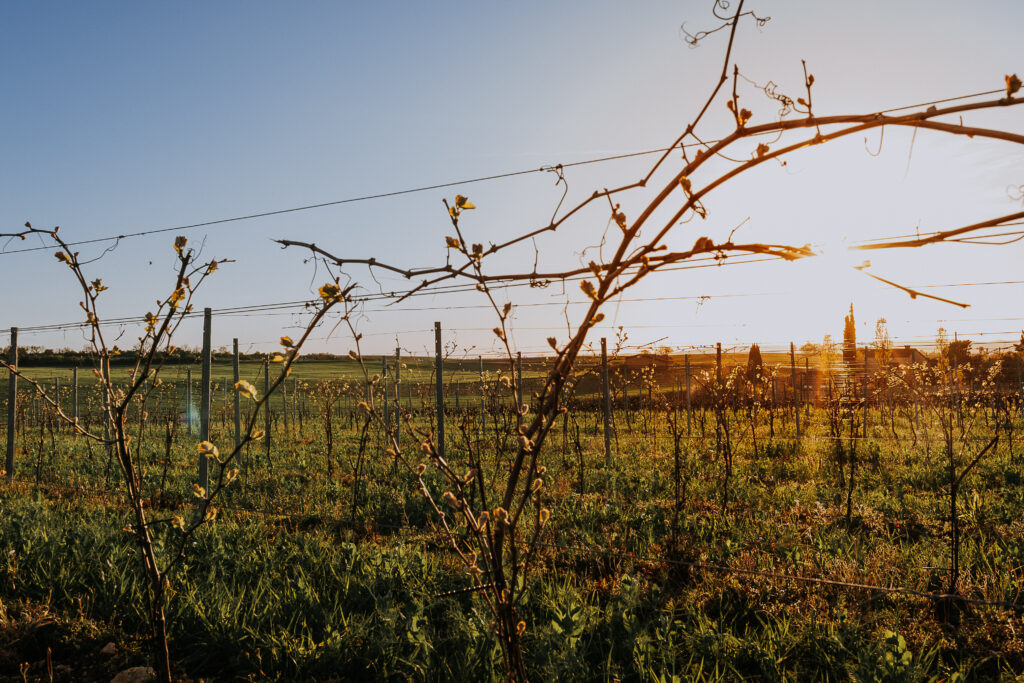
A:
x: 834, y: 272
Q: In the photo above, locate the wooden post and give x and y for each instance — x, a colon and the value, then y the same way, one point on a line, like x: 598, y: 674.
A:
x: 867, y: 395
x: 398, y: 397
x: 483, y: 400
x: 74, y: 396
x: 266, y: 408
x: 204, y: 399
x: 188, y: 400
x: 12, y: 402
x: 796, y: 393
x: 689, y: 405
x: 607, y: 404
x: 956, y: 391
x: 773, y: 393
x: 439, y: 389
x: 384, y: 396
x: 718, y: 364
x: 56, y: 399
x: 917, y: 415
x: 519, y: 381
x: 808, y: 395
x: 720, y: 414
x: 238, y: 403
x: 284, y: 404
x: 105, y: 371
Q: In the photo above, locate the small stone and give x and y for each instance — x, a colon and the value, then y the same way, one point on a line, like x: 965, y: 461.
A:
x: 136, y: 674
x: 109, y: 649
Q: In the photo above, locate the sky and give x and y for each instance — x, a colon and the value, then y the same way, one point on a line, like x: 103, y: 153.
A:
x: 124, y: 117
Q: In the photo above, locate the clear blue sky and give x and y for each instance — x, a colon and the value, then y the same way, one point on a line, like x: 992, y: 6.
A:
x: 120, y: 117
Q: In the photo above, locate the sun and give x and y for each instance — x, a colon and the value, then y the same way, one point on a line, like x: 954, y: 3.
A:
x: 834, y: 271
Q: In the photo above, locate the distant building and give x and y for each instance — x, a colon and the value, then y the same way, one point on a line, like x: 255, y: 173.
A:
x: 906, y: 355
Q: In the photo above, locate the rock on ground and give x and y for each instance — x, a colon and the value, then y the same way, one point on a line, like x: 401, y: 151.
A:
x: 136, y: 674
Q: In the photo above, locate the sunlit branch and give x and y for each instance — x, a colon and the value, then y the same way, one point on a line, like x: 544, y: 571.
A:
x: 913, y: 292
x: 942, y: 235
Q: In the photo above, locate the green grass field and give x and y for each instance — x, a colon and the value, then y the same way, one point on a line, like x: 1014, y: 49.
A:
x: 311, y: 573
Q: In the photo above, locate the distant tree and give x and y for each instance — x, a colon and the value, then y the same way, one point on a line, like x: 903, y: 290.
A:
x: 941, y: 345
x: 810, y: 348
x: 754, y: 360
x: 882, y: 344
x: 849, y: 338
x: 958, y: 352
x: 1019, y: 346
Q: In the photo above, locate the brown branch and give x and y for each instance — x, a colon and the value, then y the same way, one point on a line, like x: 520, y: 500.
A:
x: 941, y: 235
x: 861, y: 123
x: 913, y: 292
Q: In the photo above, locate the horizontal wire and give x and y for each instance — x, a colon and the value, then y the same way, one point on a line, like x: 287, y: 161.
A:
x: 304, y: 304
x: 435, y: 186
x: 338, y: 202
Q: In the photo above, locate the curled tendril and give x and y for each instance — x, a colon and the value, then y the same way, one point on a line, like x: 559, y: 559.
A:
x: 771, y: 90
x: 1015, y: 193
x: 559, y: 180
x: 692, y: 39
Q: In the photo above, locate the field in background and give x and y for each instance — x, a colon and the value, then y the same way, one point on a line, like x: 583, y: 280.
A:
x: 418, y: 370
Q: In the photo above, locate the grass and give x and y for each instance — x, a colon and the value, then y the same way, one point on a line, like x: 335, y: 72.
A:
x: 290, y: 584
